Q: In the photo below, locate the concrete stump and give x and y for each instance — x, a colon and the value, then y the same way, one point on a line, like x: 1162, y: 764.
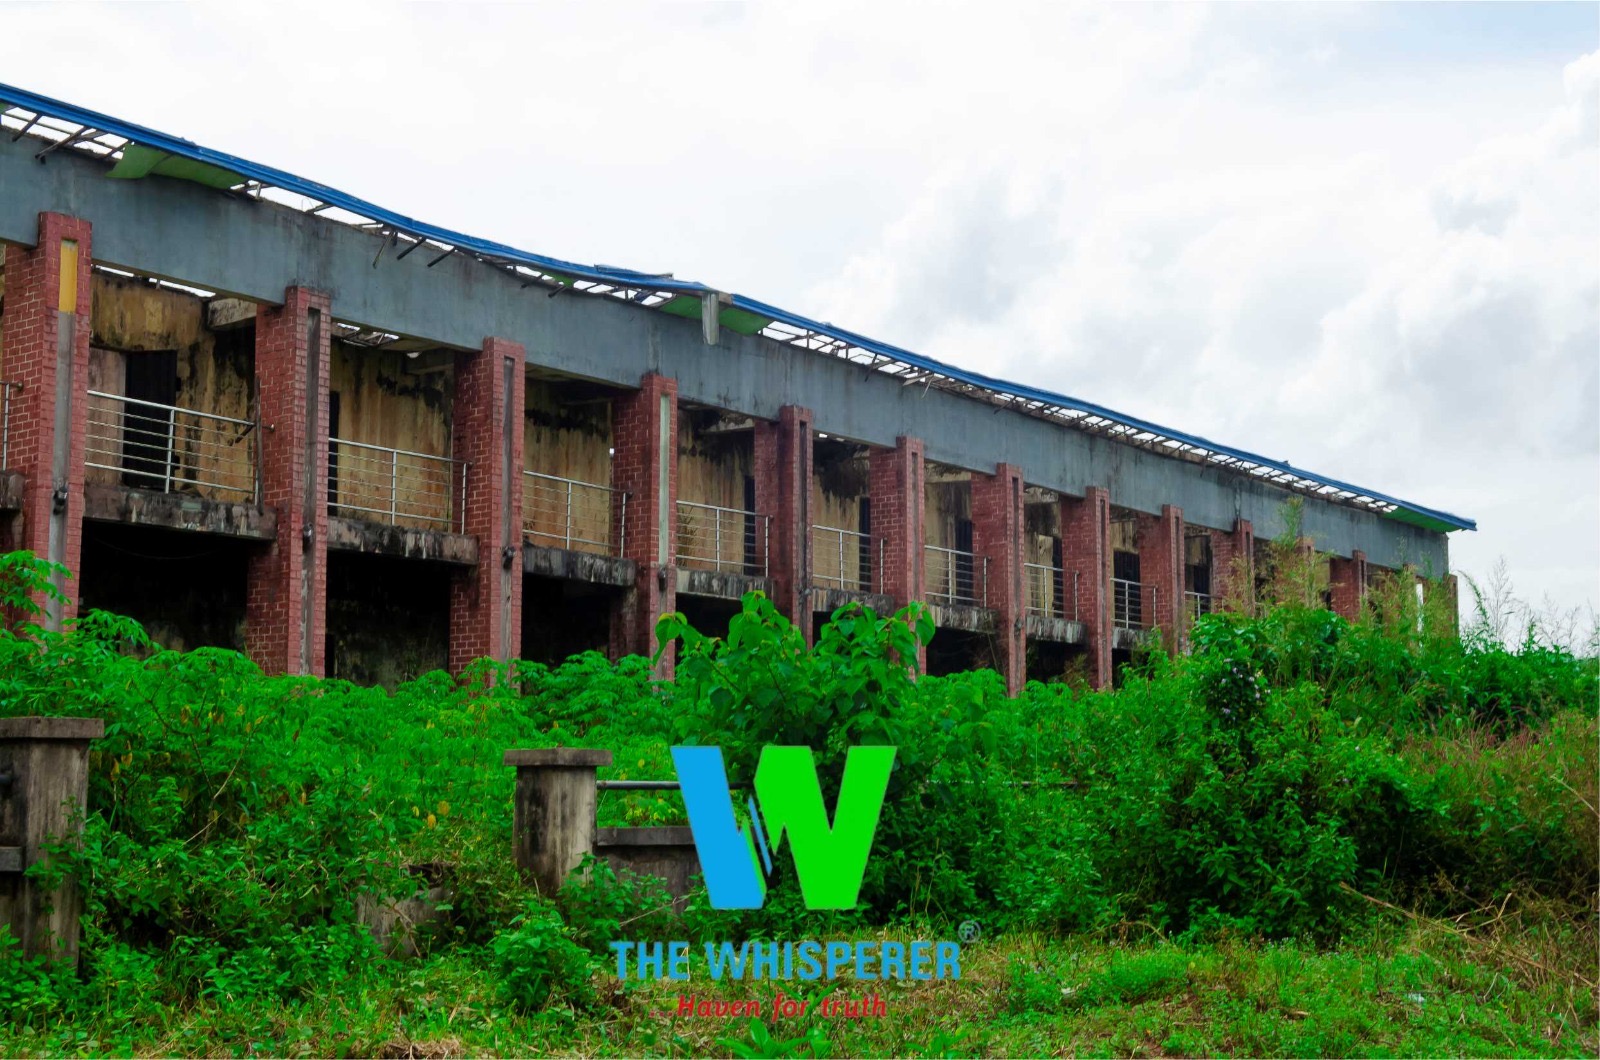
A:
x: 666, y: 852
x: 44, y: 789
x: 553, y: 821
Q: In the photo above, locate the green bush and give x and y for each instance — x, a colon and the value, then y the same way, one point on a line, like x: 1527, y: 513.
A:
x: 601, y: 905
x: 537, y: 963
x: 1253, y: 785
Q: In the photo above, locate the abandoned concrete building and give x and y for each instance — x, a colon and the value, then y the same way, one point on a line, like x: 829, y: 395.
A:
x: 253, y: 411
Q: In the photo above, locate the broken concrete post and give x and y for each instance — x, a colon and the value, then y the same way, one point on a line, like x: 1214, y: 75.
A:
x: 553, y: 820
x: 44, y: 789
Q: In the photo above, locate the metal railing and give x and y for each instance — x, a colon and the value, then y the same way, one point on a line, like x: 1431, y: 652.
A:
x: 6, y: 387
x: 1047, y: 591
x: 1198, y: 604
x: 844, y: 559
x: 956, y: 577
x: 723, y: 539
x: 397, y: 486
x: 1127, y: 604
x: 568, y: 513
x: 167, y: 448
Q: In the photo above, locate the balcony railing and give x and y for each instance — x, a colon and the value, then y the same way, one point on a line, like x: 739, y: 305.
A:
x: 1047, y: 591
x: 6, y: 389
x: 396, y: 486
x: 1127, y: 604
x: 956, y: 577
x: 845, y: 559
x: 1198, y: 604
x: 168, y: 448
x: 566, y: 513
x: 723, y: 539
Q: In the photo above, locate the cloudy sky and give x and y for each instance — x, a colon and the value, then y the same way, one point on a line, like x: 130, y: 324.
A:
x: 1362, y: 239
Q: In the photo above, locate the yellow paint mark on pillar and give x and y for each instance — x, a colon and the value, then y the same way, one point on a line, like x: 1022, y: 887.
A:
x: 68, y: 302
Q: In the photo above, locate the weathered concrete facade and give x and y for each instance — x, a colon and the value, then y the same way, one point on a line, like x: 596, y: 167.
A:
x: 308, y: 390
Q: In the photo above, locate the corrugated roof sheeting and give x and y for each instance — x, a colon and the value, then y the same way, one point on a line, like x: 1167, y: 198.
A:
x: 139, y: 151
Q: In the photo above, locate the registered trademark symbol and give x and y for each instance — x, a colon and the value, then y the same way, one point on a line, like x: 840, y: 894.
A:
x: 969, y: 931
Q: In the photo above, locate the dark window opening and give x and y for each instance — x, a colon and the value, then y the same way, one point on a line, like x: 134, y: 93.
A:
x: 147, y: 438
x: 1125, y: 565
x: 1127, y: 595
x: 964, y: 560
x: 1058, y: 576
x: 1197, y: 564
x: 333, y: 448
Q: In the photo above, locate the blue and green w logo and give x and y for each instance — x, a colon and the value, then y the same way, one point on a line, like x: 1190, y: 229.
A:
x: 830, y: 860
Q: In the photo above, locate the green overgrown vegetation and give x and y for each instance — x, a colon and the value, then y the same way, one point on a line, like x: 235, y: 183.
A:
x: 1303, y: 836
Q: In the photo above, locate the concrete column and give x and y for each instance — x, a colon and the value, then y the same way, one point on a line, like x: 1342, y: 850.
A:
x: 1160, y: 542
x: 553, y: 812
x: 997, y: 528
x: 287, y: 599
x: 1347, y: 579
x: 1452, y: 593
x: 44, y: 783
x: 486, y: 433
x: 47, y: 331
x: 783, y: 492
x: 1086, y: 571
x: 1233, y: 566
x: 895, y: 480
x: 645, y: 467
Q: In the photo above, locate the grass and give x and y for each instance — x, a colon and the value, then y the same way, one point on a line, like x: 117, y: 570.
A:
x: 1516, y: 984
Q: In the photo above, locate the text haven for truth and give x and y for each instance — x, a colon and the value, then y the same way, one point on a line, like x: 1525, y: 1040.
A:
x: 866, y: 961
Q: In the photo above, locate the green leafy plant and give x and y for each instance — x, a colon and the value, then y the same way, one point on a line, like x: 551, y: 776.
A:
x: 1288, y: 773
x: 537, y: 963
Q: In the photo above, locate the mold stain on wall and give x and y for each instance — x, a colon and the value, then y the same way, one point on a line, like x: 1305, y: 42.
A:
x: 158, y: 336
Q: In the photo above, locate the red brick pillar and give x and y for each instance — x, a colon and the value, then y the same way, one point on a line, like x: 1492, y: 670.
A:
x: 645, y: 468
x: 783, y: 495
x: 486, y: 435
x: 287, y: 596
x: 47, y: 329
x: 1347, y: 580
x: 1160, y: 542
x: 997, y: 523
x: 1233, y: 566
x: 1086, y: 571
x: 895, y: 480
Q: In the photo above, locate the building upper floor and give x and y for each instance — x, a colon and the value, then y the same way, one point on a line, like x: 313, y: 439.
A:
x: 406, y: 292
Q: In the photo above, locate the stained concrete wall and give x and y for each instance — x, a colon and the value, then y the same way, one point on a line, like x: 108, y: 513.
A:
x: 215, y: 374
x: 839, y: 482
x: 570, y: 440
x: 1041, y: 529
x: 1041, y: 517
x: 385, y: 400
x: 714, y: 460
x: 947, y: 500
x: 1124, y: 533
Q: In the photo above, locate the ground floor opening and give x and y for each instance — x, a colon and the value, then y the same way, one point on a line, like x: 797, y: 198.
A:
x: 186, y: 589
x: 388, y: 618
x: 562, y: 617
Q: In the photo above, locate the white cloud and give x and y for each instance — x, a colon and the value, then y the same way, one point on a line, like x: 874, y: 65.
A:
x: 1435, y: 338
x: 1314, y: 231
